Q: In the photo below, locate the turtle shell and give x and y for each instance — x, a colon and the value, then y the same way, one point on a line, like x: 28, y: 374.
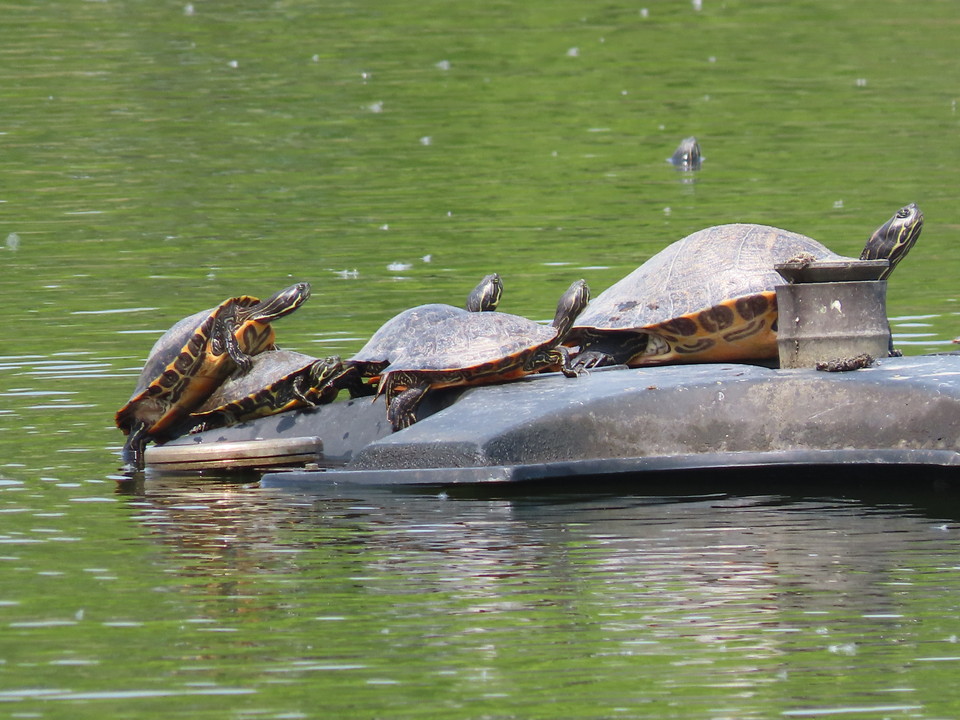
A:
x: 403, y: 330
x: 707, y: 297
x: 279, y: 380
x: 472, y: 345
x: 192, y: 358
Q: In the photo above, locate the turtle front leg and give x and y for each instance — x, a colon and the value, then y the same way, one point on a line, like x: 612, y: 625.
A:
x: 401, y: 412
x: 566, y: 364
x: 323, y: 382
x: 224, y: 339
x: 402, y: 393
x: 134, y: 447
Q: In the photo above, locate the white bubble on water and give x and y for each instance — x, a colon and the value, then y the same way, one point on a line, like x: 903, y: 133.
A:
x: 13, y: 241
x: 427, y: 258
x: 376, y: 107
x: 644, y: 13
x: 573, y: 52
x: 426, y: 140
x: 398, y: 266
x: 188, y: 9
x: 442, y: 65
x: 233, y: 64
x: 697, y: 5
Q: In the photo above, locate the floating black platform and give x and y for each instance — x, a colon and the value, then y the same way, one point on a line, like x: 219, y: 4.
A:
x: 610, y: 422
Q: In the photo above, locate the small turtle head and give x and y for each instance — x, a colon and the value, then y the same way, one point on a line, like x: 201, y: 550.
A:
x: 572, y: 303
x: 687, y: 156
x: 282, y: 303
x: 486, y: 296
x: 893, y: 240
x: 322, y: 371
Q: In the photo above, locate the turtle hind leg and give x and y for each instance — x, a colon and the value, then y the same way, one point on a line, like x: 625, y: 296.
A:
x: 589, y: 359
x: 612, y: 349
x: 401, y: 411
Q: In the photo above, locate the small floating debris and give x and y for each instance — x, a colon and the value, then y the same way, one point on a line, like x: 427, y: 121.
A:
x: 376, y: 107
x: 399, y: 266
x: 427, y: 258
x: 13, y: 242
x: 426, y: 140
x: 644, y: 13
x: 188, y: 9
x: 697, y: 5
x: 687, y: 156
x: 442, y: 65
x: 233, y: 64
x: 573, y: 52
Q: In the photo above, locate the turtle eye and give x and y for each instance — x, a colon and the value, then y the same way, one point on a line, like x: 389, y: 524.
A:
x: 903, y: 212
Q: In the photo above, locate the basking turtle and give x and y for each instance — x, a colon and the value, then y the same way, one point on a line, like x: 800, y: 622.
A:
x: 393, y: 335
x: 710, y: 297
x: 279, y: 380
x: 191, y: 360
x: 477, y: 349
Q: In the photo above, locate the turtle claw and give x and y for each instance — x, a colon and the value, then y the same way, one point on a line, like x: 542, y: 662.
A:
x: 590, y: 359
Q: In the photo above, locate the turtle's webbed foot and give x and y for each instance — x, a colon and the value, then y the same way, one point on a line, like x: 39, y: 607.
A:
x: 244, y: 363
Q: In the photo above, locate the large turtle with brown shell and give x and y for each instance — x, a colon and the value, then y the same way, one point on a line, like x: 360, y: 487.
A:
x: 710, y: 297
x: 477, y: 349
x: 193, y: 358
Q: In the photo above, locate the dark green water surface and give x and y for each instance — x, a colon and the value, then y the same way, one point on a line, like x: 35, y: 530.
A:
x: 159, y: 156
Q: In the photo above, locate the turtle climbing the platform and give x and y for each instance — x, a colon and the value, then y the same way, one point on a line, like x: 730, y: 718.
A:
x: 279, y: 380
x: 477, y: 349
x: 711, y: 297
x: 394, y: 335
x: 193, y: 358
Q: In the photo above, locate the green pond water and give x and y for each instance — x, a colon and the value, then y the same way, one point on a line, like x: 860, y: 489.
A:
x: 160, y: 156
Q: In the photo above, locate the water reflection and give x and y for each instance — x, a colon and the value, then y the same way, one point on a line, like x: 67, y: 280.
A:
x: 640, y: 597
x: 641, y: 571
